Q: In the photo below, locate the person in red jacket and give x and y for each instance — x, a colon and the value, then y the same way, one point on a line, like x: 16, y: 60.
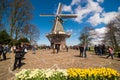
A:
x: 111, y: 52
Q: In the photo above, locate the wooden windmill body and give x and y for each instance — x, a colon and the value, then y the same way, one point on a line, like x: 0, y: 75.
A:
x: 58, y: 36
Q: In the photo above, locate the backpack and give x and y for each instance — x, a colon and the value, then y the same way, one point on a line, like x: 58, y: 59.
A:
x: 25, y: 50
x: 18, y: 55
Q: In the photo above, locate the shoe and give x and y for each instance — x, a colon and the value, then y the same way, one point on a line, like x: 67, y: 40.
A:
x: 19, y: 67
x: 13, y: 69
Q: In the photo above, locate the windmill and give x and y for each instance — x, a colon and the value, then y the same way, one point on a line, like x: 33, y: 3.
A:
x: 57, y: 36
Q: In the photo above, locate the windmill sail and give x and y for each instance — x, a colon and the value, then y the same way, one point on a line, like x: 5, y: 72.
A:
x: 68, y: 15
x: 47, y: 15
x: 59, y: 8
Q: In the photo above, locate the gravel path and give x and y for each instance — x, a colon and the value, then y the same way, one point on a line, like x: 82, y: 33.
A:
x: 46, y: 59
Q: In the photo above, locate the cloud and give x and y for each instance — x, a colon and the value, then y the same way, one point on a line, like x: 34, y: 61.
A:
x: 73, y: 33
x: 91, y: 7
x: 67, y: 8
x: 98, y: 33
x: 109, y: 16
x: 102, y: 18
x: 95, y: 19
x: 94, y: 6
x: 96, y: 13
x: 69, y: 30
x: 100, y: 1
x: 82, y: 12
x: 119, y: 8
x: 98, y: 37
x: 101, y: 31
x: 75, y: 2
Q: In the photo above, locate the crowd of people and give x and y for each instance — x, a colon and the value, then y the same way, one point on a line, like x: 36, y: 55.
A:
x: 19, y: 50
x: 57, y: 48
x: 102, y: 50
x: 99, y: 50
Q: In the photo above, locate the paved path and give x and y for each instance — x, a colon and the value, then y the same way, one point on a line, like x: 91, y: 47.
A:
x: 47, y: 59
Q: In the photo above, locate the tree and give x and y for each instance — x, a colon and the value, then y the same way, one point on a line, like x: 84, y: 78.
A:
x: 4, y: 37
x: 85, y: 35
x: 20, y: 14
x: 25, y: 40
x: 112, y: 37
x: 3, y: 9
x: 32, y: 32
x: 117, y: 25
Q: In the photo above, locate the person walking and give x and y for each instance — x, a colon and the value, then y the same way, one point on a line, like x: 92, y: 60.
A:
x: 58, y: 47
x: 111, y: 52
x: 84, y: 52
x: 34, y: 49
x: 95, y: 49
x: 103, y: 49
x: 18, y: 58
x: 66, y: 48
x: 99, y: 50
x: 1, y: 50
x: 5, y: 50
x: 81, y: 50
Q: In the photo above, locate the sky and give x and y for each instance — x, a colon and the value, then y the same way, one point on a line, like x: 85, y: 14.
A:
x: 94, y: 13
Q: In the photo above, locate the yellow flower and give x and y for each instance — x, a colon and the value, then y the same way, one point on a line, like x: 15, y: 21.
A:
x: 102, y: 72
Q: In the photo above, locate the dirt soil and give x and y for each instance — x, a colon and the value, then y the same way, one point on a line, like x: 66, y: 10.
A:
x: 44, y: 59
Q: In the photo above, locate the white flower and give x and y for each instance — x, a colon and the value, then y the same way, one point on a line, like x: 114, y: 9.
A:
x: 40, y: 73
x: 49, y: 72
x: 64, y: 71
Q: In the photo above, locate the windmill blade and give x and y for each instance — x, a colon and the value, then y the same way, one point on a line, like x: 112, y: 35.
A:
x: 47, y: 15
x: 59, y: 8
x: 68, y: 15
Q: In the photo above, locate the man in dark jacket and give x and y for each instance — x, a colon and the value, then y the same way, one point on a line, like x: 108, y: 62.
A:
x: 1, y: 50
x: 5, y: 50
x: 18, y: 58
x: 81, y: 50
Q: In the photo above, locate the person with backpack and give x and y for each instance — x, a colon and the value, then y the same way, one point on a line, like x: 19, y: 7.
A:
x: 18, y: 58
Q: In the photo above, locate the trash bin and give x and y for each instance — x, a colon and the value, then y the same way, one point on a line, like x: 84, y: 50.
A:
x: 118, y: 55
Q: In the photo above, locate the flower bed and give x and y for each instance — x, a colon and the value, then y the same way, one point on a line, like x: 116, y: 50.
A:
x: 68, y: 74
x: 93, y: 74
x: 42, y: 74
